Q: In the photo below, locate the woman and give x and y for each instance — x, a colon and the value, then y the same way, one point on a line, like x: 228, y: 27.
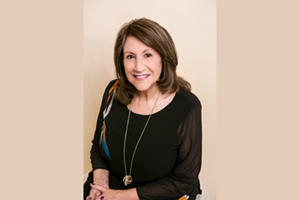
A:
x: 148, y: 140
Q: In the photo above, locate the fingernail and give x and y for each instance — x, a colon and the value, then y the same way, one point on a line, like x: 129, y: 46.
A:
x: 102, y: 197
x: 92, y: 184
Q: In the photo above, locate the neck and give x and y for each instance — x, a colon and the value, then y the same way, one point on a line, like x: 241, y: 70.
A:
x: 147, y: 96
x: 144, y: 102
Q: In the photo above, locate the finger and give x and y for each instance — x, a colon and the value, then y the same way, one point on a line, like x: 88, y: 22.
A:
x: 92, y: 197
x: 93, y: 194
x: 89, y: 198
x: 97, y: 195
x: 98, y: 187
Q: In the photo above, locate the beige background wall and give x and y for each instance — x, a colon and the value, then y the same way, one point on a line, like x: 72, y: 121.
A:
x: 192, y: 25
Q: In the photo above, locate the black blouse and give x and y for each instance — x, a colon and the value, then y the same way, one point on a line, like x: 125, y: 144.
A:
x: 168, y: 158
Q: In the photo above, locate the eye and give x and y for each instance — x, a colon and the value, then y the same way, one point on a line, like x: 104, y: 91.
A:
x: 147, y: 55
x: 130, y: 56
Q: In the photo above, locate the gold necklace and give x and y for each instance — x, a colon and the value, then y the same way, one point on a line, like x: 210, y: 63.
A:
x: 128, y: 178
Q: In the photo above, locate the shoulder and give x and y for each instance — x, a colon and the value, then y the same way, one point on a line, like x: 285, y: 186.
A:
x: 184, y: 103
x: 189, y: 98
x: 112, y: 84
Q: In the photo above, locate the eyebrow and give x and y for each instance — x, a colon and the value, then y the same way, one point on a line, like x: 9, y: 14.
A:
x: 142, y: 52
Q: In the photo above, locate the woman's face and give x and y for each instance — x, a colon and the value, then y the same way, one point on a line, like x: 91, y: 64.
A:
x: 142, y: 64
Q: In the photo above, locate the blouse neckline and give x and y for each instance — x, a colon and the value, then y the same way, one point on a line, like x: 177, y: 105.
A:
x: 155, y: 113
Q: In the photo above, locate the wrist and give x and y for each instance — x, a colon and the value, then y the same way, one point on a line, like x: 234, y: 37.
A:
x: 130, y: 194
x: 101, y: 183
x: 101, y: 177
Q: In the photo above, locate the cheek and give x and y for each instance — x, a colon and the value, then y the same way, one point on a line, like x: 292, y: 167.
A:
x: 127, y: 67
x: 158, y: 67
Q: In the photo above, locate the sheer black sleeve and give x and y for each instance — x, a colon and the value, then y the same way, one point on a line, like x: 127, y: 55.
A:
x: 184, y: 178
x: 97, y: 160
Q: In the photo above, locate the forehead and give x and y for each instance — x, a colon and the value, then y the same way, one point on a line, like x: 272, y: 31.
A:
x: 134, y: 44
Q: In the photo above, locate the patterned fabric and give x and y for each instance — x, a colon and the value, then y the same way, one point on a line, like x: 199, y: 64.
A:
x: 185, y: 197
x: 108, y: 106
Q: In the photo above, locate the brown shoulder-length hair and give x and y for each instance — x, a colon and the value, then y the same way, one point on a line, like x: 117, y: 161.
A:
x: 158, y: 38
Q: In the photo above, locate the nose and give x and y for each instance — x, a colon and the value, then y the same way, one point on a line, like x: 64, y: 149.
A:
x: 139, y: 64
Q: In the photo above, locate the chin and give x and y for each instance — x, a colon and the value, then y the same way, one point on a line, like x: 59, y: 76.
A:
x: 141, y: 89
x: 144, y: 88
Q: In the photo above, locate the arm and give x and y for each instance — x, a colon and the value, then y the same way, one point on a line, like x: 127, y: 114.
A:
x: 101, y: 177
x: 185, y: 174
x: 99, y: 164
x: 97, y: 160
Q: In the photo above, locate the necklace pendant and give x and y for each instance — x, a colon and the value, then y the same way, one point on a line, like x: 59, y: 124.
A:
x: 127, y: 180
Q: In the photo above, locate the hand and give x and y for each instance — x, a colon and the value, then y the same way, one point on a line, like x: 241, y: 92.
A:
x: 94, y: 194
x: 106, y: 193
x: 100, y: 178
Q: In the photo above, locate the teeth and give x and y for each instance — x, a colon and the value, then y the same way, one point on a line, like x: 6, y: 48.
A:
x: 143, y: 76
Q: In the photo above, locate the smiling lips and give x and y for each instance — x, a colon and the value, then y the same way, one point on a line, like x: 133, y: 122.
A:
x: 141, y: 77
